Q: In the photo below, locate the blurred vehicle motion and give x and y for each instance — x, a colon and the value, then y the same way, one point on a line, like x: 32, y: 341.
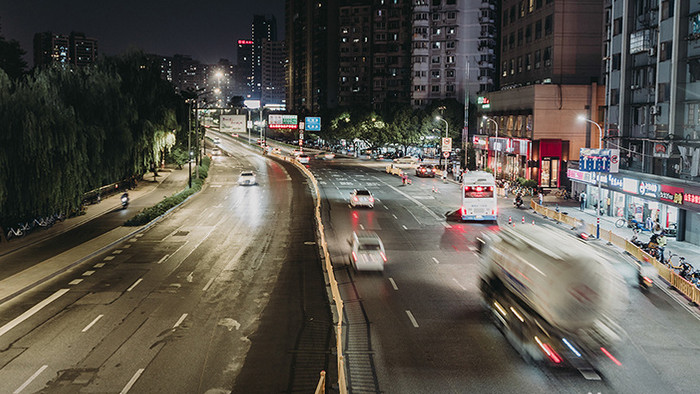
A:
x: 367, y: 251
x: 553, y: 296
x: 427, y: 170
x: 303, y: 159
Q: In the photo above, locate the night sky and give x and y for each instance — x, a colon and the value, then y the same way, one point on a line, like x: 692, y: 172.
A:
x: 206, y: 29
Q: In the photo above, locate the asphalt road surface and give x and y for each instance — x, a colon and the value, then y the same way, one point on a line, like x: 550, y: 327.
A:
x: 224, y: 295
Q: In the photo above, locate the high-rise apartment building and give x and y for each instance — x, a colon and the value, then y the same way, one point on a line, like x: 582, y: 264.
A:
x: 264, y: 28
x: 651, y: 66
x: 550, y: 61
x: 453, y: 50
x: 51, y: 48
x: 273, y: 81
x: 188, y: 74
x: 244, y: 71
x: 83, y: 50
x: 355, y: 47
x: 312, y: 48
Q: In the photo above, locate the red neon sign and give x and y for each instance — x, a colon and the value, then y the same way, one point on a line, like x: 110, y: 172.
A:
x: 245, y: 42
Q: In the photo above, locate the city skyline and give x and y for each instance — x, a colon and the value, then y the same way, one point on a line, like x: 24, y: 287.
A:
x: 141, y: 25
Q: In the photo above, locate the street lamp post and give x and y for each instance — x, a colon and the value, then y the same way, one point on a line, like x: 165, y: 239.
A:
x: 495, y: 160
x: 600, y: 146
x: 447, y: 127
x: 189, y: 143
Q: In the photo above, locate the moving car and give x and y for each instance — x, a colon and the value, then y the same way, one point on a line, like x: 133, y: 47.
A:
x: 296, y: 152
x: 361, y: 198
x: 367, y: 253
x: 303, y: 159
x: 217, y: 140
x: 216, y: 152
x: 407, y: 160
x: 426, y: 170
x: 234, y: 134
x: 277, y: 151
x: 325, y: 156
x: 247, y: 178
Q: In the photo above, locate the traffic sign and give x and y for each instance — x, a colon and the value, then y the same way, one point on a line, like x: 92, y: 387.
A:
x: 445, y: 154
x: 313, y: 123
x: 446, y: 144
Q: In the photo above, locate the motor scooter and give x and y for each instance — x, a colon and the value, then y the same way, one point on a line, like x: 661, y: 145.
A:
x: 125, y: 200
x: 518, y: 202
x: 646, y: 272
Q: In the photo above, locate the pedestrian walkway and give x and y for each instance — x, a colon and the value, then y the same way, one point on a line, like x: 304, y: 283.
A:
x: 18, y: 275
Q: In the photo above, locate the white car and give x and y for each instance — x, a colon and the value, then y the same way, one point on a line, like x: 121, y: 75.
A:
x: 277, y: 151
x: 407, y: 160
x: 361, y: 198
x: 326, y: 156
x: 296, y: 152
x: 217, y: 140
x: 303, y: 159
x: 367, y: 252
x: 247, y: 178
x: 216, y: 152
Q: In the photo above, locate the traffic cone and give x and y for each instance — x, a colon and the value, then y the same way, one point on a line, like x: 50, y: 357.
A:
x: 533, y: 222
x: 510, y: 220
x: 523, y: 219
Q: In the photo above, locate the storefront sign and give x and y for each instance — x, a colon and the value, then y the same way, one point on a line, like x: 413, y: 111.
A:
x: 480, y: 141
x: 662, y: 149
x: 613, y: 182
x: 630, y: 185
x: 691, y: 198
x: 577, y: 175
x: 519, y: 147
x: 648, y: 189
x: 499, y: 144
x: 671, y: 194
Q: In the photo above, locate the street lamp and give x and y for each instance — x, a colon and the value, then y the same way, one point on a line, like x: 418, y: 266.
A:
x: 495, y: 160
x: 582, y: 118
x: 447, y: 127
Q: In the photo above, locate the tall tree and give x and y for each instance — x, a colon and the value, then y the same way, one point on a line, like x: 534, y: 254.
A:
x: 11, y: 60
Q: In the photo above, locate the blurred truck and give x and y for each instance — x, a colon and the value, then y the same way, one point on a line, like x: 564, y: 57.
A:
x: 553, y: 296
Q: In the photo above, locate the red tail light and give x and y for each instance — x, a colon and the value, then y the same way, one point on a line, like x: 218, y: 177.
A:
x: 371, y: 199
x: 383, y: 256
x: 490, y: 188
x: 648, y: 280
x: 354, y: 256
x: 551, y: 354
x: 610, y: 356
x: 355, y: 199
x: 467, y: 188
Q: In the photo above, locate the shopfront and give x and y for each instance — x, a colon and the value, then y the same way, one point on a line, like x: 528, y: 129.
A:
x: 675, y: 208
x: 481, y: 150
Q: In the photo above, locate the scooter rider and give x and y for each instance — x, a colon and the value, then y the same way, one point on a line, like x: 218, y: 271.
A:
x: 125, y: 199
x: 518, y: 200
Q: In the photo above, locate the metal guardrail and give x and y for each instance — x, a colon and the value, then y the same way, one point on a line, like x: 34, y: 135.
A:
x: 335, y: 291
x: 681, y: 284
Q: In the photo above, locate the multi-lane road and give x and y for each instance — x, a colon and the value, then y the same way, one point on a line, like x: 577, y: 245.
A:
x: 227, y: 294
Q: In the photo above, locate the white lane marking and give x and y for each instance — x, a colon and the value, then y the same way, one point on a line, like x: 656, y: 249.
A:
x: 393, y: 284
x: 31, y: 378
x: 162, y: 259
x: 404, y: 227
x: 436, y: 260
x: 92, y: 323
x: 385, y: 207
x: 206, y: 287
x: 362, y: 227
x: 109, y: 258
x: 118, y: 251
x: 473, y: 248
x: 36, y: 308
x: 135, y: 284
x: 99, y: 265
x: 180, y: 320
x: 446, y: 225
x: 127, y: 246
x: 394, y: 216
x: 139, y: 235
x: 135, y: 239
x: 88, y: 273
x: 75, y: 281
x: 459, y: 284
x: 132, y: 381
x: 413, y: 319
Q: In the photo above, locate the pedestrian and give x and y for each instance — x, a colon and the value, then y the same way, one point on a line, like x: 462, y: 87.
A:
x: 541, y: 197
x: 582, y: 200
x: 661, y: 241
x: 506, y: 185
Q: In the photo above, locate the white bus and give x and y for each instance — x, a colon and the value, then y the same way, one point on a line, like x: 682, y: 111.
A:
x: 479, y: 201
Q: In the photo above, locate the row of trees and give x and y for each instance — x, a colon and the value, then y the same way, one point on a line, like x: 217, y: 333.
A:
x: 65, y: 131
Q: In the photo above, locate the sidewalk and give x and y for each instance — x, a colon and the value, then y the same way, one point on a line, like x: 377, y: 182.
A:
x: 32, y: 273
x: 572, y: 208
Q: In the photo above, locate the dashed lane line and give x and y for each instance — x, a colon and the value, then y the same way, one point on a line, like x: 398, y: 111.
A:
x: 393, y: 284
x: 413, y: 319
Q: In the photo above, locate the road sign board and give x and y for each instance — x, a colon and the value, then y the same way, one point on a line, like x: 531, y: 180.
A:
x: 447, y: 144
x: 599, y: 160
x: 313, y: 123
x: 445, y: 154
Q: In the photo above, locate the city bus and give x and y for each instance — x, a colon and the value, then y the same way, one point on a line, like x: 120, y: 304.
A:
x: 479, y: 200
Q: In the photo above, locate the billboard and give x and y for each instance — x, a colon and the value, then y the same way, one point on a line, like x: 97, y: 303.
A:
x: 282, y: 122
x: 233, y: 124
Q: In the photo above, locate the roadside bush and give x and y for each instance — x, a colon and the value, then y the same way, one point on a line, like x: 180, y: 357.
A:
x: 148, y: 214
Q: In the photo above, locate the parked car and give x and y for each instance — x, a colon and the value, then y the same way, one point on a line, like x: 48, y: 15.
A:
x: 407, y: 160
x: 427, y: 170
x: 367, y: 251
x: 361, y: 198
x: 247, y: 178
x: 303, y: 159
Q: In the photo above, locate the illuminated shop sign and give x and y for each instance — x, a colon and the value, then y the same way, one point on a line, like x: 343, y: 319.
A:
x: 671, y: 194
x: 580, y: 176
x: 283, y: 121
x: 480, y: 142
x: 648, y: 189
x: 691, y: 198
x: 630, y: 185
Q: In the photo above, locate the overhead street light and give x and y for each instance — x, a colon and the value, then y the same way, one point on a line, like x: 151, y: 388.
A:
x: 582, y: 118
x: 495, y: 160
x: 447, y: 127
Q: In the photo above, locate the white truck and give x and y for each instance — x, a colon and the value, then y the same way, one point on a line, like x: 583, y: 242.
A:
x: 554, y: 297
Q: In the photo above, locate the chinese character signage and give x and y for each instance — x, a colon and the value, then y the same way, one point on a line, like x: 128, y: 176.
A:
x: 283, y: 122
x: 313, y: 123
